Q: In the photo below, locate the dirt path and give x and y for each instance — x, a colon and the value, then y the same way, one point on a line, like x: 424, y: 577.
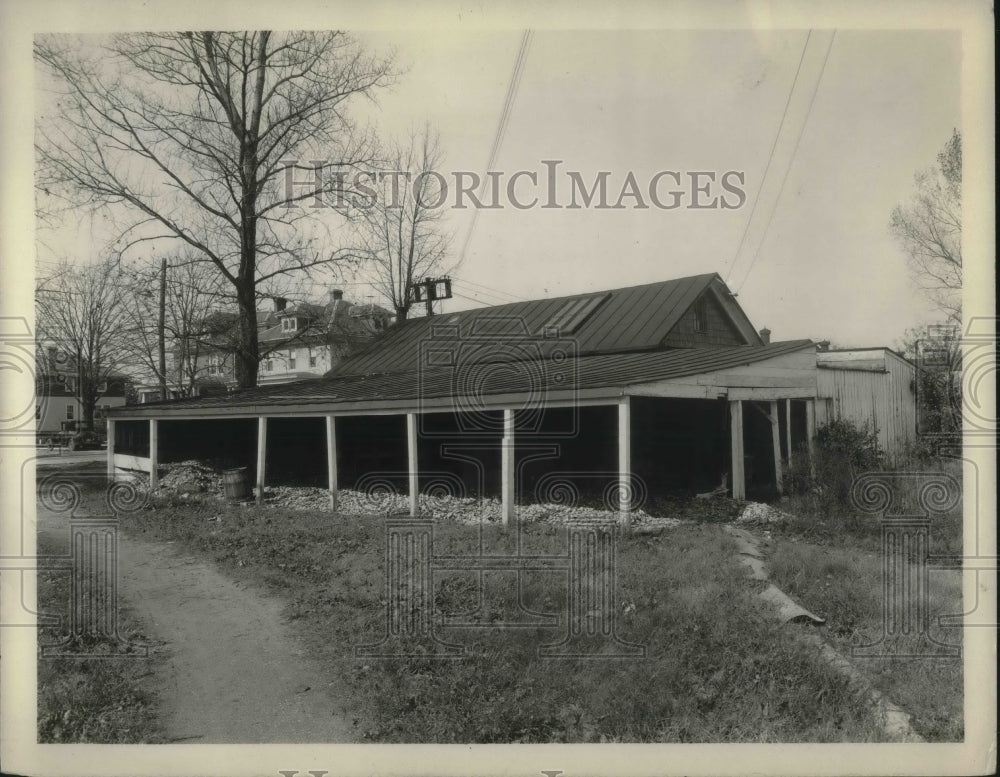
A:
x: 233, y: 671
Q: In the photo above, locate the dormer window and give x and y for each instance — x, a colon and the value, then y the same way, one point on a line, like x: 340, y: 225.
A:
x: 290, y: 324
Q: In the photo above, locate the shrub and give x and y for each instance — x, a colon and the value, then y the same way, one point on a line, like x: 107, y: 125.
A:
x: 843, y: 450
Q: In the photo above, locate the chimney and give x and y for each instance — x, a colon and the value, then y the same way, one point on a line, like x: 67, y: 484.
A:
x: 336, y: 294
x: 765, y: 335
x: 823, y: 346
x: 280, y: 303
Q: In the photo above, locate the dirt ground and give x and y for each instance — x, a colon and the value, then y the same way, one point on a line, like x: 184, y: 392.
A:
x: 233, y: 672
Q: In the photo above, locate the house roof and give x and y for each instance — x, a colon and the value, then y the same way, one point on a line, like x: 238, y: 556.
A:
x: 472, y: 381
x: 637, y: 318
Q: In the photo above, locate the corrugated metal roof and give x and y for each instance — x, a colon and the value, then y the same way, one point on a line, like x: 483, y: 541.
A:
x: 469, y: 379
x: 636, y: 318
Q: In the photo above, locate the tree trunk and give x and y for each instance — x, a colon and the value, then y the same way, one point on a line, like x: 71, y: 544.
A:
x: 401, y: 314
x: 246, y: 351
x: 89, y: 408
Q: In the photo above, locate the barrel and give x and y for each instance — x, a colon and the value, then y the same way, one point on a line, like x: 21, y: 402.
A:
x: 235, y: 483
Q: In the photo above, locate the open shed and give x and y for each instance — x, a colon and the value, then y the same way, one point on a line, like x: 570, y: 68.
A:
x: 624, y: 393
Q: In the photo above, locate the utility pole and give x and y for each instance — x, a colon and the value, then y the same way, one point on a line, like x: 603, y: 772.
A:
x: 161, y: 331
x: 428, y: 290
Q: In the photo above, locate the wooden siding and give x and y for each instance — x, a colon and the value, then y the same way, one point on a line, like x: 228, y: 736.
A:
x: 885, y: 399
x: 785, y: 375
x: 719, y: 332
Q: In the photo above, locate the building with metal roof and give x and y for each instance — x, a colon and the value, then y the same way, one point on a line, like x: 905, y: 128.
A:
x: 626, y: 392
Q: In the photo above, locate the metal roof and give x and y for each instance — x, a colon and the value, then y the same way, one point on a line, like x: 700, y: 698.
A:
x: 467, y: 380
x: 637, y: 318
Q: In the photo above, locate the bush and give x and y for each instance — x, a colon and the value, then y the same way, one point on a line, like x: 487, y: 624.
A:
x: 843, y: 450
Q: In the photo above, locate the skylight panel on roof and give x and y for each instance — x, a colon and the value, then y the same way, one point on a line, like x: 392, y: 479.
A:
x: 572, y: 314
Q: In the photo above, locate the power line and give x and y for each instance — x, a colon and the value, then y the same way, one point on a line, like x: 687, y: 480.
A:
x: 501, y: 131
x: 791, y: 162
x: 484, y: 296
x: 770, y: 157
x: 500, y: 293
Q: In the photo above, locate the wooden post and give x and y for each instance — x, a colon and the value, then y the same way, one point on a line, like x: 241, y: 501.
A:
x: 776, y: 441
x: 736, y: 448
x: 111, y: 449
x: 261, y: 456
x: 154, y: 454
x: 411, y: 457
x: 507, y: 468
x: 788, y: 429
x: 331, y: 460
x: 625, y: 462
x: 811, y: 432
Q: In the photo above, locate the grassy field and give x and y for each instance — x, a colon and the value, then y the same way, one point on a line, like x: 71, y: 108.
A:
x: 91, y: 700
x: 717, y: 669
x: 844, y: 585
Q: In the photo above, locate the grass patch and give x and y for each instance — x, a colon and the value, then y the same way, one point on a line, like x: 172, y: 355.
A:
x: 717, y: 669
x: 844, y: 585
x: 100, y: 700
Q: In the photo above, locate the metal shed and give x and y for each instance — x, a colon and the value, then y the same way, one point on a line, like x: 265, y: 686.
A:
x: 873, y: 385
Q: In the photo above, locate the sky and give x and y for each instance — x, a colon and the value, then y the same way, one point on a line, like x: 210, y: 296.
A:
x: 808, y: 252
x: 650, y: 101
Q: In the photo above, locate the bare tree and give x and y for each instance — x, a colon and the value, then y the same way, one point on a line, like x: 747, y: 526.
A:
x: 401, y: 233
x: 167, y: 341
x: 929, y: 229
x: 205, y: 138
x: 80, y: 311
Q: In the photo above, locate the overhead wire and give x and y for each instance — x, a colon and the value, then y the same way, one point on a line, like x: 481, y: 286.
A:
x: 770, y: 158
x: 791, y: 163
x: 501, y: 130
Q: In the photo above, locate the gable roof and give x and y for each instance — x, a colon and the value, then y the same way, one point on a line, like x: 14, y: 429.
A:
x: 636, y: 318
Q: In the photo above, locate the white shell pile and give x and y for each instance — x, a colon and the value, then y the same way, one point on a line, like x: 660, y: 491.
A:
x: 466, y: 510
x: 760, y: 513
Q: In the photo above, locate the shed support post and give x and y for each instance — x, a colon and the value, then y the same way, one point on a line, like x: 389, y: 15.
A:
x: 507, y: 468
x: 331, y: 460
x: 811, y: 433
x: 625, y: 462
x: 788, y: 429
x: 776, y: 442
x: 154, y: 454
x: 111, y: 449
x: 411, y: 458
x: 736, y: 448
x: 261, y: 456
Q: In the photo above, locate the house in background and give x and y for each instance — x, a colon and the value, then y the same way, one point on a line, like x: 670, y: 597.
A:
x: 57, y: 392
x: 297, y: 341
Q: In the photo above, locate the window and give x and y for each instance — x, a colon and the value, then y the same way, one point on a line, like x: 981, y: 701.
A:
x: 573, y: 313
x: 289, y: 324
x: 213, y: 364
x: 312, y: 360
x: 102, y: 387
x: 70, y: 385
x: 701, y: 315
x: 69, y: 412
x: 291, y: 360
x: 38, y: 412
x: 268, y: 365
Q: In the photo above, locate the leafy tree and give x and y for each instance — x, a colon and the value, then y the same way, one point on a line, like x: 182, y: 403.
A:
x: 929, y: 229
x: 204, y: 139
